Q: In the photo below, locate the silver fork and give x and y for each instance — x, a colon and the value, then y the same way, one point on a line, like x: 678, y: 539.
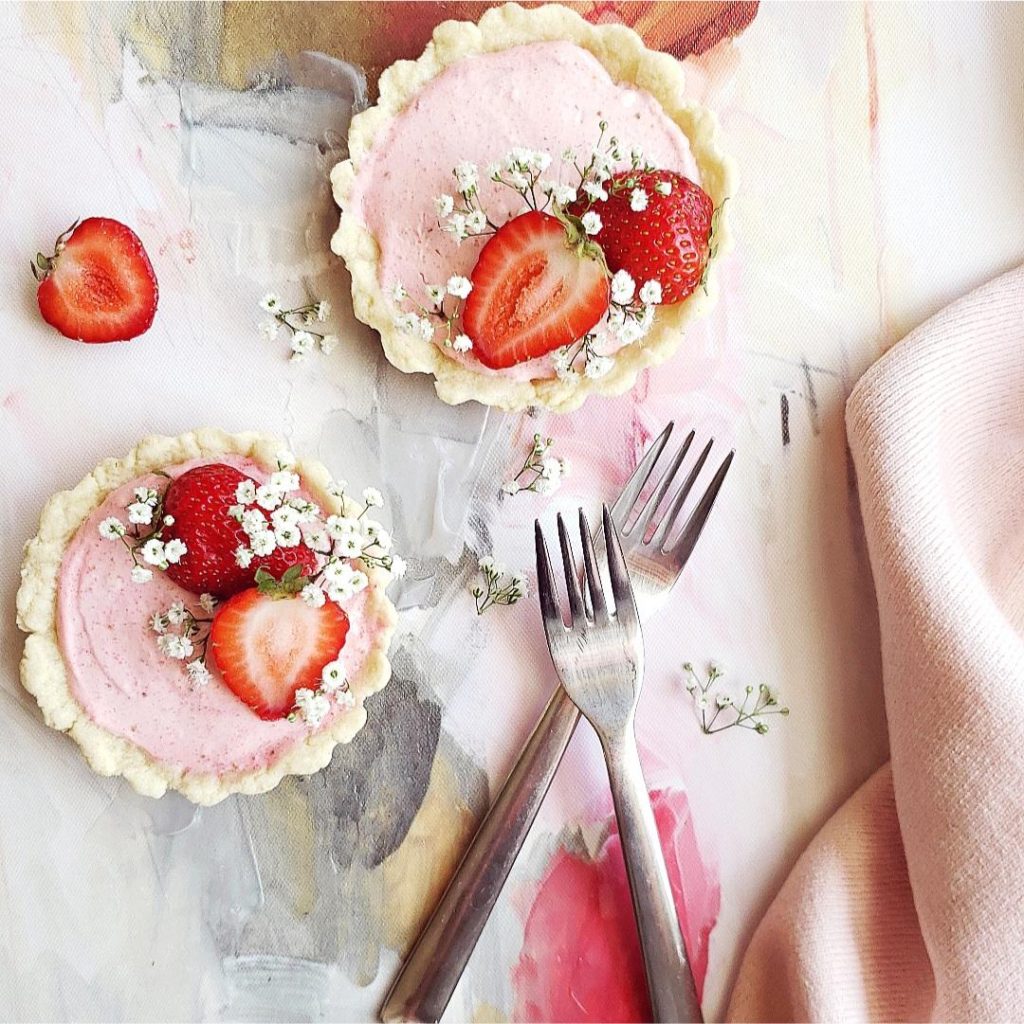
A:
x: 427, y: 979
x: 599, y: 659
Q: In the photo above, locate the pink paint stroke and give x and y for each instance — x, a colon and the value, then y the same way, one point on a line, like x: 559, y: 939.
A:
x: 580, y: 959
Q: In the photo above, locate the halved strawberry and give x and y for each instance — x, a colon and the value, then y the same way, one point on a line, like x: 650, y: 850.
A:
x: 199, y: 500
x: 538, y: 284
x: 667, y: 241
x: 267, y: 647
x: 99, y: 284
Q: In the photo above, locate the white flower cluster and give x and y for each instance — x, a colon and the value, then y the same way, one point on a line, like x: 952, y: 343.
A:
x: 298, y: 323
x: 269, y: 517
x: 420, y: 321
x: 542, y: 472
x: 144, y: 511
x: 499, y: 587
x: 182, y: 636
x: 313, y: 706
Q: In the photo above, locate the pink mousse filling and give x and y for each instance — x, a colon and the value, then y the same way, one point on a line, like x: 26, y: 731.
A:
x: 547, y: 96
x: 128, y: 687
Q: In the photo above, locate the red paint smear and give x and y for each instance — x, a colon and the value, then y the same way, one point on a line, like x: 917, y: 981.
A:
x: 581, y: 958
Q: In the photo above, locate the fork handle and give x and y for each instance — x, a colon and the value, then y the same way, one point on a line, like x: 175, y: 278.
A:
x: 430, y: 973
x: 669, y: 978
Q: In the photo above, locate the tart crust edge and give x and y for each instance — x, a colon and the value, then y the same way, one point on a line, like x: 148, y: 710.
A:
x: 623, y: 54
x: 43, y: 672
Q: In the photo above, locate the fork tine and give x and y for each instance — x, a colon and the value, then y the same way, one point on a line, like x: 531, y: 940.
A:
x: 622, y: 590
x: 638, y: 478
x: 669, y: 519
x: 699, y: 516
x: 572, y: 581
x: 546, y: 585
x: 597, y: 601
x: 651, y: 507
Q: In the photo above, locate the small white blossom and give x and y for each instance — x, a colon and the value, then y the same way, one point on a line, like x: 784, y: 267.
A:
x: 425, y: 329
x: 157, y: 624
x: 263, y: 543
x: 243, y: 556
x: 175, y: 550
x: 346, y: 582
x: 176, y: 614
x: 336, y: 488
x: 153, y: 551
x: 267, y: 497
x: 650, y: 293
x: 245, y: 492
x: 328, y: 343
x: 284, y: 480
x: 285, y: 458
x: 302, y: 343
x: 253, y: 521
x: 518, y: 180
x: 271, y: 302
x: 467, y: 176
x: 598, y: 366
x: 476, y: 221
x: 168, y: 520
x: 269, y: 328
x: 595, y: 190
x: 207, y: 602
x: 561, y: 194
x: 341, y: 526
x: 398, y: 293
x: 511, y: 487
x: 545, y: 485
x: 550, y: 468
x: 198, y: 673
x: 444, y: 204
x: 623, y: 287
x: 638, y: 200
x: 317, y: 539
x: 462, y: 343
x: 145, y: 494
x: 663, y: 188
x: 313, y: 595
x: 436, y: 294
x: 287, y: 536
x: 398, y: 566
x: 314, y: 707
x: 518, y: 157
x: 322, y: 310
x: 457, y: 226
x: 591, y: 222
x: 140, y: 574
x: 332, y: 677
x: 350, y: 545
x: 406, y: 321
x: 459, y: 286
x: 111, y: 528
x: 487, y: 564
x: 373, y: 498
x: 174, y: 646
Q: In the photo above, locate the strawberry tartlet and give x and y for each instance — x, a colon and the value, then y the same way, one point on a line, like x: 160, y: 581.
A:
x: 207, y: 614
x: 532, y: 209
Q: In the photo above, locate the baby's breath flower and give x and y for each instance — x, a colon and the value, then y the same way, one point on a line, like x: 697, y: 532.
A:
x: 623, y: 287
x: 372, y: 498
x: 243, y: 556
x: 271, y: 302
x: 322, y: 309
x: 650, y: 293
x: 398, y: 293
x: 476, y: 221
x: 591, y: 222
x: 563, y: 195
x: 157, y: 623
x: 457, y: 226
x: 444, y: 204
x: 175, y: 550
x: 349, y: 546
x: 302, y: 343
x: 332, y: 677
x: 638, y: 200
x: 269, y: 328
x: 312, y: 706
x: 245, y: 492
x: 598, y: 366
x: 284, y: 458
x: 198, y: 673
x: 398, y: 566
x: 284, y: 480
x: 313, y: 595
x: 287, y: 536
x: 153, y: 551
x: 318, y: 539
x: 207, y: 602
x: 663, y: 188
x: 174, y: 646
x: 510, y: 487
x: 267, y: 497
x: 263, y: 543
x: 175, y: 615
x: 336, y: 488
x: 145, y: 494
x: 594, y: 190
x: 436, y: 294
x: 723, y: 712
x: 459, y: 286
x: 467, y: 176
x: 140, y: 574
x: 328, y: 343
x: 111, y: 528
x: 425, y: 329
x: 346, y: 583
x: 462, y: 343
x: 499, y: 587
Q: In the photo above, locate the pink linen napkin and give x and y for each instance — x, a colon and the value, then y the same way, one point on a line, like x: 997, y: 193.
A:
x: 909, y: 904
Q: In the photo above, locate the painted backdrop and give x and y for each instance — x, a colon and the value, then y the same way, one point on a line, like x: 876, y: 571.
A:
x: 211, y: 129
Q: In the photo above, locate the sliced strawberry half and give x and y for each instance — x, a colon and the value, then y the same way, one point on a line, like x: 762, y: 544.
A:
x: 199, y: 501
x: 539, y: 284
x: 99, y: 284
x: 267, y: 647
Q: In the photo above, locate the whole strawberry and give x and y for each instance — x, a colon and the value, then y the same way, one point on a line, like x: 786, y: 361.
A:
x: 656, y: 225
x: 199, y: 503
